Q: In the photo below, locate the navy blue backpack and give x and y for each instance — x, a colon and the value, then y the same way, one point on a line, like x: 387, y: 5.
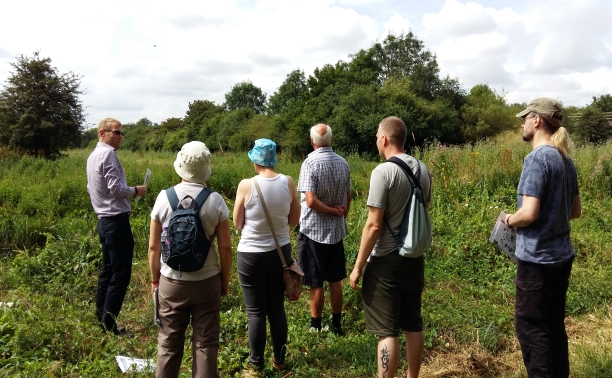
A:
x: 185, y: 246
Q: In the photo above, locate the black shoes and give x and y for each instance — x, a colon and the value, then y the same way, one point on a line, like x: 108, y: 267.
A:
x: 337, y: 331
x: 121, y: 332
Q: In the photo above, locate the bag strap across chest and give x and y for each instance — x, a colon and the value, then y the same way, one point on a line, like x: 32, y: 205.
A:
x: 265, y: 209
x: 414, y: 181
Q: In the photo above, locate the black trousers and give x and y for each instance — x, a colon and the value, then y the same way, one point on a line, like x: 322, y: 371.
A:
x: 261, y: 278
x: 541, y: 293
x: 117, y: 253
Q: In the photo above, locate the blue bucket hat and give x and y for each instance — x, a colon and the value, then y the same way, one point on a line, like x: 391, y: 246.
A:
x: 263, y: 153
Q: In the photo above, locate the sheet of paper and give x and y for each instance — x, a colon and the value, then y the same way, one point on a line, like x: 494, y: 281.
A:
x: 134, y: 364
x: 504, y: 237
x: 146, y: 182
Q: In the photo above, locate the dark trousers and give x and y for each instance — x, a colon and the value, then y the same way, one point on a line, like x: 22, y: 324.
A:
x: 117, y: 252
x: 541, y: 293
x: 261, y: 278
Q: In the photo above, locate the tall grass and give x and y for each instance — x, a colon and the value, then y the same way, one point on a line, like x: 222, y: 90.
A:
x: 50, y: 256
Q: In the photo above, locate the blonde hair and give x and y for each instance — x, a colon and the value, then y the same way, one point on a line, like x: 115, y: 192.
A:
x: 559, y: 137
x: 562, y: 142
x: 106, y: 123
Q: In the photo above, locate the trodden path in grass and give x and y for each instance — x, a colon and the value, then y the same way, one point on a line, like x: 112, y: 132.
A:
x: 590, y: 343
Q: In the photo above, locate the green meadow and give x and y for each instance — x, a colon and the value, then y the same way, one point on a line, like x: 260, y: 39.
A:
x: 50, y: 254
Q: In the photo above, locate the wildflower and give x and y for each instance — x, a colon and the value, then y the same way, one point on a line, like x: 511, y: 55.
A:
x: 467, y: 204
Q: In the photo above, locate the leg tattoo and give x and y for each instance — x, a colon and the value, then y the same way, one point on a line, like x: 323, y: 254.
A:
x: 384, y: 359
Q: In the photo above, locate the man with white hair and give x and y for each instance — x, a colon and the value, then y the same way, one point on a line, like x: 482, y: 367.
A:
x: 325, y: 187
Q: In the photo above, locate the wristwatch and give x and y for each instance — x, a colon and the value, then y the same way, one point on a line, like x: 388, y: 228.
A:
x: 135, y: 192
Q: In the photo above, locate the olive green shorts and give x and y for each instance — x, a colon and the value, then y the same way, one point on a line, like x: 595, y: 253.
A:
x: 391, y: 294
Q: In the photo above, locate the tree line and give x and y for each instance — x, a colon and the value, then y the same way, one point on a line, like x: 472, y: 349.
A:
x: 397, y: 76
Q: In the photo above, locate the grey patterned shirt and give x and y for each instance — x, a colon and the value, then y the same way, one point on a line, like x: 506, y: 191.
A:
x: 328, y: 176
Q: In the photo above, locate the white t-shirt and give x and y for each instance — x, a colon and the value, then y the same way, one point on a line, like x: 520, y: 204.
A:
x: 212, y: 212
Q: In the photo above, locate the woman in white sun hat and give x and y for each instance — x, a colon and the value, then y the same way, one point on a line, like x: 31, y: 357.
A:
x: 195, y: 296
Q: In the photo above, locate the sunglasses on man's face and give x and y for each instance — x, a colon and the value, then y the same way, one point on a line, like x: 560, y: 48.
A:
x: 116, y: 132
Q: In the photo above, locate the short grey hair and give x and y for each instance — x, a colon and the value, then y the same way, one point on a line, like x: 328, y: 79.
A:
x: 323, y: 140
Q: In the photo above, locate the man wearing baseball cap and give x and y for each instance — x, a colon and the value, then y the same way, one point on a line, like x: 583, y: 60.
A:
x: 548, y: 198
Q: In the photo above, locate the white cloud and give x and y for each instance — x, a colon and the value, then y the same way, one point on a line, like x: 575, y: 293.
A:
x: 551, y: 47
x: 456, y: 19
x: 396, y: 25
x: 151, y: 58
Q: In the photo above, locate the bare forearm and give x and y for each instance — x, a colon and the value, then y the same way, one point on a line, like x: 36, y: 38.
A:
x: 225, y: 257
x: 320, y: 207
x: 154, y: 264
x: 369, y: 236
x: 526, y: 215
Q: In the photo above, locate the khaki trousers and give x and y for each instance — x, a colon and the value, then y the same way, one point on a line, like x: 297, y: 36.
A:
x: 179, y: 303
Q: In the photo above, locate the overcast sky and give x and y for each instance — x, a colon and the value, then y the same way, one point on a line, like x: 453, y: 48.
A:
x: 151, y: 58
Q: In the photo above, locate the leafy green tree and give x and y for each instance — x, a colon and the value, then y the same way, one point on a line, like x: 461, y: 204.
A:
x: 293, y: 92
x: 173, y: 141
x: 355, y: 119
x: 425, y: 120
x: 40, y: 109
x: 246, y: 95
x: 165, y: 137
x: 451, y: 92
x: 485, y: 114
x: 327, y: 85
x: 137, y: 134
x: 406, y: 56
x: 258, y: 126
x: 88, y: 136
x: 592, y: 126
x: 603, y: 102
x: 144, y: 122
x: 198, y: 112
x: 364, y: 69
x: 171, y: 124
x: 217, y: 131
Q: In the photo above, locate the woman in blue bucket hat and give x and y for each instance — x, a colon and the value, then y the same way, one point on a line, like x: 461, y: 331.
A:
x: 259, y: 267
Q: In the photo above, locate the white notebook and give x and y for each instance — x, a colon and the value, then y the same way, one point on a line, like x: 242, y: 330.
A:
x: 504, y: 237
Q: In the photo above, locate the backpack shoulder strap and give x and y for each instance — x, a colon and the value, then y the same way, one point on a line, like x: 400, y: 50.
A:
x: 172, y: 198
x: 413, y: 180
x: 201, y: 198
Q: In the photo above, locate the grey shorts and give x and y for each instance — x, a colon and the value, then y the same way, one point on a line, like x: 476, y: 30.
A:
x: 391, y: 294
